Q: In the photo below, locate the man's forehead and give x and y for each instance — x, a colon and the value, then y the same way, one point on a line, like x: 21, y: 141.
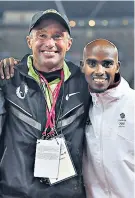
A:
x: 101, y: 52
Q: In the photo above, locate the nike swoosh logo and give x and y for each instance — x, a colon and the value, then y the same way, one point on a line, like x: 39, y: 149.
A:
x: 69, y: 95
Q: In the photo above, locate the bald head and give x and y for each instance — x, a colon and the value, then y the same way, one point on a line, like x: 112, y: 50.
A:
x: 100, y: 64
x: 101, y: 46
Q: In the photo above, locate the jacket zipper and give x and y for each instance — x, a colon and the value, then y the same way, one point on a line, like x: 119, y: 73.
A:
x: 101, y: 147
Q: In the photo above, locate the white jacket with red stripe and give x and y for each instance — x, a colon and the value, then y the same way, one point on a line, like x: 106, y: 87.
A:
x: 108, y: 164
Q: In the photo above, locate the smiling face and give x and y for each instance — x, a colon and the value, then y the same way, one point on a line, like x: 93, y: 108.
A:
x: 49, y: 42
x: 100, y: 64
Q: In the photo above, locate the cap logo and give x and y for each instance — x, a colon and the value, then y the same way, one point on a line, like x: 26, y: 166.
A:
x: 51, y: 11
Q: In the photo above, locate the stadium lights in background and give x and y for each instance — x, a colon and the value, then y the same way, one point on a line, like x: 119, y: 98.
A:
x: 72, y: 23
x: 92, y: 23
x: 102, y: 22
x: 23, y: 18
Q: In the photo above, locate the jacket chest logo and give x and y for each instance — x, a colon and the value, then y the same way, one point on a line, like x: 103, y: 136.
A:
x: 122, y: 120
x: 71, y: 94
x: 22, y: 90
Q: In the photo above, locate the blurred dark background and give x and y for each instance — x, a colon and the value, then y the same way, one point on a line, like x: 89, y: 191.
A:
x: 112, y: 20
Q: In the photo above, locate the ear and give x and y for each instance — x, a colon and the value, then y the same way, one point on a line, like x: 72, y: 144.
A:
x: 69, y: 44
x: 81, y: 65
x: 118, y: 66
x: 29, y: 41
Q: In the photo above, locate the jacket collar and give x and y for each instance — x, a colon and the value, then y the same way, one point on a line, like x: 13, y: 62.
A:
x: 111, y: 94
x: 23, y: 67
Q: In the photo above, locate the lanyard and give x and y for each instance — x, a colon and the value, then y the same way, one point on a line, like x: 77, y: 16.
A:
x: 51, y: 114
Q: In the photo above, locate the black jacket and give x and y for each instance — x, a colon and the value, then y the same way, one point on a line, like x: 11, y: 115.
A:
x: 25, y: 120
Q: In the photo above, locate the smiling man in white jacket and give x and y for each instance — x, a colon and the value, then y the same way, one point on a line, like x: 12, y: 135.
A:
x: 108, y: 165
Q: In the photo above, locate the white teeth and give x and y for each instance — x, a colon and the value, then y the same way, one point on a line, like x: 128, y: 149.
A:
x: 46, y: 52
x: 99, y: 80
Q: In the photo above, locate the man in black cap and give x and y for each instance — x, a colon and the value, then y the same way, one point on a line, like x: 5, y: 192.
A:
x: 41, y: 140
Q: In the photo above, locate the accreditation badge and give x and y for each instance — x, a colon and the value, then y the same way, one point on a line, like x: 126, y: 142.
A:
x: 47, y: 158
x: 66, y: 167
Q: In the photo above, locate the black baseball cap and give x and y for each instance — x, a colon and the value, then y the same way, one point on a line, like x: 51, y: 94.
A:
x: 47, y: 14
